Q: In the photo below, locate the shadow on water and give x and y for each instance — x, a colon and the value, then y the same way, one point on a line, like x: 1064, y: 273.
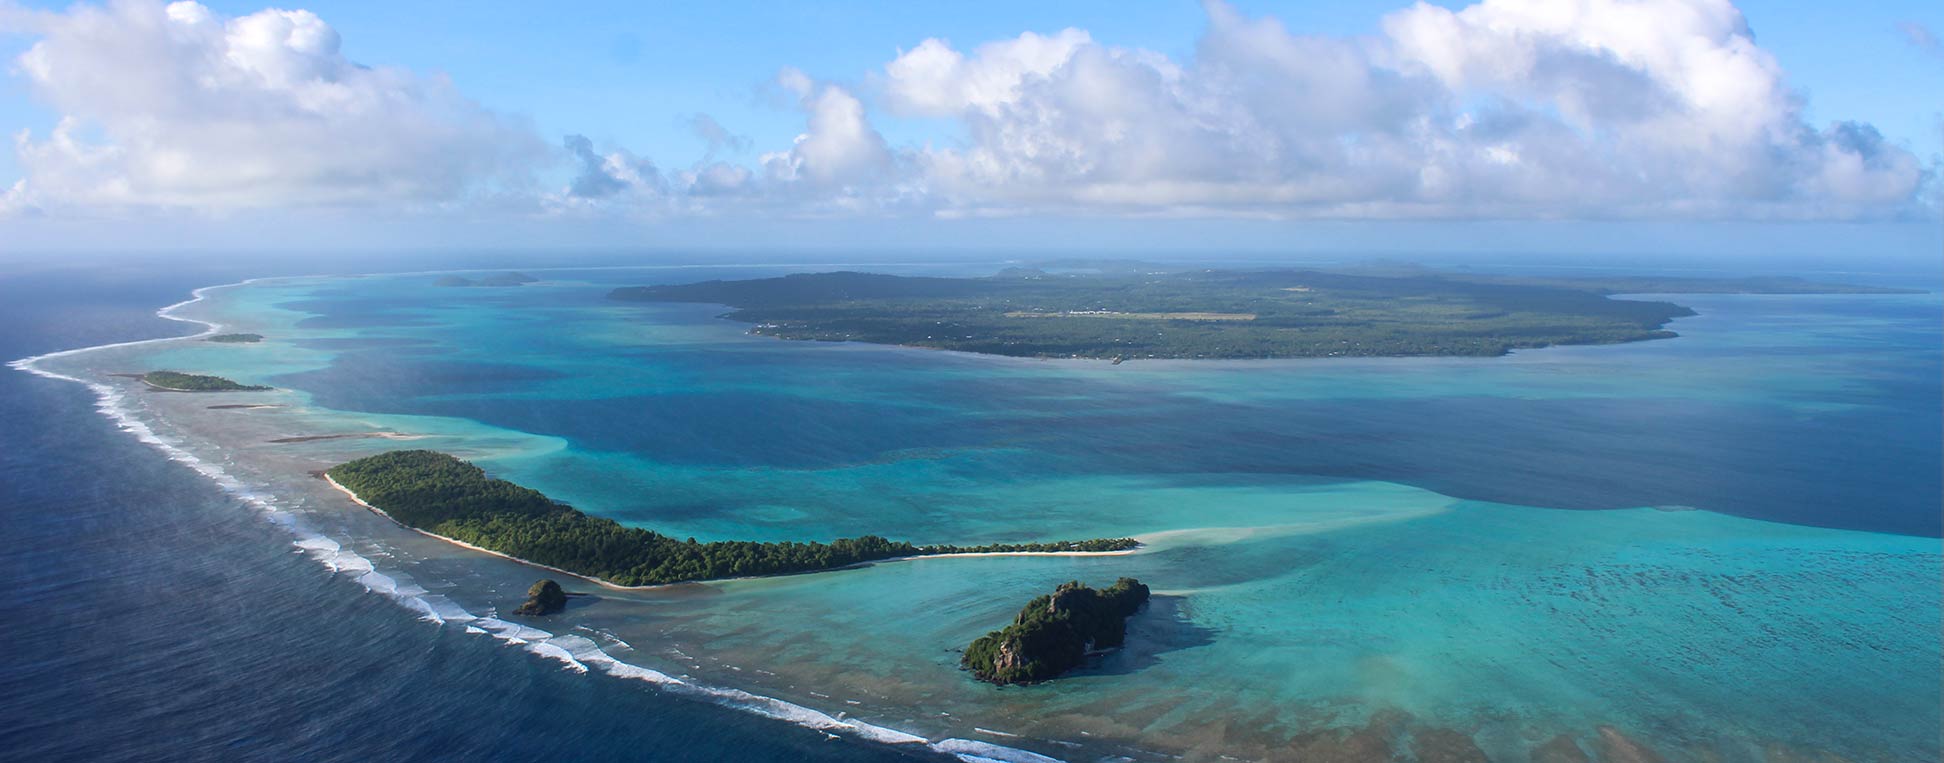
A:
x: 1162, y: 627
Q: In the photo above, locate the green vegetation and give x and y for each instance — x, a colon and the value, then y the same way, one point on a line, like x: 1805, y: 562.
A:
x: 1645, y: 284
x: 1097, y: 545
x: 443, y: 495
x: 1054, y: 633
x: 544, y: 598
x: 503, y: 279
x: 1127, y: 313
x: 236, y: 338
x: 181, y: 382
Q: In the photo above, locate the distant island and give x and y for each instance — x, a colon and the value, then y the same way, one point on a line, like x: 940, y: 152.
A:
x: 235, y: 338
x: 1054, y: 633
x: 1128, y: 314
x: 503, y: 279
x: 445, y: 496
x: 175, y: 381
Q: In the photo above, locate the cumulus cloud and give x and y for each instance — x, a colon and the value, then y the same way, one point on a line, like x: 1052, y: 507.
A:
x: 935, y: 80
x: 1504, y: 109
x: 604, y: 175
x: 1507, y: 108
x: 838, y: 147
x: 177, y: 106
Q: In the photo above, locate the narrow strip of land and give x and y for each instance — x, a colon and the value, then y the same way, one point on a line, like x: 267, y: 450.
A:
x: 176, y: 381
x: 441, y: 495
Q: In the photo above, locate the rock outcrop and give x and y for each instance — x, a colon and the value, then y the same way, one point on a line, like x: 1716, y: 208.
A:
x: 544, y: 598
x: 1054, y: 633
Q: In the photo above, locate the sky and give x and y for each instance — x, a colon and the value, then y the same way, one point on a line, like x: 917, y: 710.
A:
x: 1591, y: 126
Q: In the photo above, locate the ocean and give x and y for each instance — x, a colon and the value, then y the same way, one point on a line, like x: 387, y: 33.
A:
x: 1722, y: 545
x: 152, y: 616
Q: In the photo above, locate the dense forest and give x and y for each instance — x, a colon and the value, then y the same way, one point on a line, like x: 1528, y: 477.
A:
x: 1053, y: 633
x: 181, y: 382
x: 1126, y: 314
x: 446, y: 496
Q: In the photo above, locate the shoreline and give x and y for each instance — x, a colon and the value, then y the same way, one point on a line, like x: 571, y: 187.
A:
x: 613, y: 586
x: 462, y: 544
x: 599, y: 664
x: 160, y: 388
x: 436, y: 609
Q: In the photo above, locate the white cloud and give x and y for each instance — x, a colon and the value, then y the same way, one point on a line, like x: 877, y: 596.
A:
x: 617, y: 172
x: 178, y: 107
x: 838, y: 148
x: 1507, y: 108
x: 1503, y: 109
x: 935, y: 80
x: 839, y: 164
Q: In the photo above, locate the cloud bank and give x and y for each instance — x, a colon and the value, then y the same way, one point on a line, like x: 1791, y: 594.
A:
x: 1506, y: 109
x: 175, y: 107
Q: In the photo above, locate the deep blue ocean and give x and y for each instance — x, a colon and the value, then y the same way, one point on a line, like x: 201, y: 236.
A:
x: 152, y: 616
x: 148, y: 616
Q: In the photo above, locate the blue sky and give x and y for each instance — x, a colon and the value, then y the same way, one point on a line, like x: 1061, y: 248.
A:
x: 889, y: 159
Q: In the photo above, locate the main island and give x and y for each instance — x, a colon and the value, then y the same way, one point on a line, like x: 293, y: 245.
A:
x: 1397, y: 311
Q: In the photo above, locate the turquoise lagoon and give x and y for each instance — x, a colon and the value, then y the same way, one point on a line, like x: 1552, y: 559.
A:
x: 1722, y: 546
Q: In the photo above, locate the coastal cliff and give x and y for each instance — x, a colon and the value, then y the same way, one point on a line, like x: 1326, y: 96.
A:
x: 1054, y: 633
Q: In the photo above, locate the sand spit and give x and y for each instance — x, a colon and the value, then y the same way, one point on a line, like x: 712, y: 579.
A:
x: 349, y: 436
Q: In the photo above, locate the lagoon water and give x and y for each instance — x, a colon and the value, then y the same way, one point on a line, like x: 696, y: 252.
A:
x: 1722, y: 546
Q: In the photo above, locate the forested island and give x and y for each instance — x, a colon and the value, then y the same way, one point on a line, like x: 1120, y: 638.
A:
x: 503, y: 279
x: 1053, y: 634
x: 443, y: 495
x: 235, y: 338
x: 175, y: 381
x: 1127, y: 314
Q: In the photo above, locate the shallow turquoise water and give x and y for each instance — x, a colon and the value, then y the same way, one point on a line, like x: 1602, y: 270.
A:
x: 1459, y: 539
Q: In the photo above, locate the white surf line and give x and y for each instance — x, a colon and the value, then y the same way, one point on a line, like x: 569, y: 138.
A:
x: 613, y: 586
x: 575, y: 653
x: 607, y: 268
x: 31, y: 364
x: 481, y: 549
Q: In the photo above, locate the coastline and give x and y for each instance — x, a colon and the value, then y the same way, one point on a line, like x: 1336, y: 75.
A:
x: 31, y: 363
x: 160, y: 388
x: 170, y: 416
x: 462, y: 544
x: 575, y: 653
x: 610, y: 585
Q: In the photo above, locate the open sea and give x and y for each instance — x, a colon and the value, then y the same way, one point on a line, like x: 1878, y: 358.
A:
x: 1722, y: 546
x: 151, y: 616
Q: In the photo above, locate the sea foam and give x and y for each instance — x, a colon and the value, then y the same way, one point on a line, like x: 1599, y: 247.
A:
x: 574, y: 653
